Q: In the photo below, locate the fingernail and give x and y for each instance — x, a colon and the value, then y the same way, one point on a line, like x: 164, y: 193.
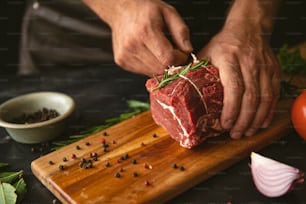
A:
x: 265, y: 124
x: 236, y: 135
x: 188, y: 45
x: 228, y: 124
x: 250, y: 132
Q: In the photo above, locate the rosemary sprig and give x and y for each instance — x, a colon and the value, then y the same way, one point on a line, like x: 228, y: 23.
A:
x: 135, y: 108
x: 168, y: 77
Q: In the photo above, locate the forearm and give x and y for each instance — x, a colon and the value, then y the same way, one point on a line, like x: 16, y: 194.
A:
x: 105, y: 9
x: 258, y: 15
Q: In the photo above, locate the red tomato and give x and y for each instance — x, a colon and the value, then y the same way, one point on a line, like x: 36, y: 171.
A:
x: 298, y: 114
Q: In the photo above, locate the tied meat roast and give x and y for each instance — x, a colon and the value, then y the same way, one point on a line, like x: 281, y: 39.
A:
x: 188, y: 107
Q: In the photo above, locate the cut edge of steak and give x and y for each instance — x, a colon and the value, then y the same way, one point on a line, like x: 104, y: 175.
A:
x: 188, y: 107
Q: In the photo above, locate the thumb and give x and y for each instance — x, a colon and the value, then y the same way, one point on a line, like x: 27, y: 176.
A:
x: 178, y: 29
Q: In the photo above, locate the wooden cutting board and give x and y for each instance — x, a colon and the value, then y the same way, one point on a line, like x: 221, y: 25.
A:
x: 155, y: 154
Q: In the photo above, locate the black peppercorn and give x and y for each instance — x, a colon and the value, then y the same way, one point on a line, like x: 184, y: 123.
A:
x: 174, y: 166
x: 89, y: 165
x: 61, y: 167
x: 51, y: 162
x: 105, y: 133
x: 65, y: 159
x: 182, y: 168
x: 107, y: 164
x: 117, y: 175
x: 87, y: 143
x: 154, y: 135
x: 135, y: 174
x: 134, y: 161
x: 78, y: 147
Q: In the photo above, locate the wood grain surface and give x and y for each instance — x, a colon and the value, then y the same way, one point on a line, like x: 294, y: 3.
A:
x: 157, y: 180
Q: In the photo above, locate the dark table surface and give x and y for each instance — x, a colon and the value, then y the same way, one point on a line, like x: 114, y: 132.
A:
x: 101, y: 93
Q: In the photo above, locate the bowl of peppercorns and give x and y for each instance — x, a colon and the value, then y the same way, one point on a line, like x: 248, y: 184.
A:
x: 36, y: 117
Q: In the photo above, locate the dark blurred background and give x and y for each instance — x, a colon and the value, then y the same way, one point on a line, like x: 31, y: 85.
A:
x: 290, y: 26
x: 11, y: 13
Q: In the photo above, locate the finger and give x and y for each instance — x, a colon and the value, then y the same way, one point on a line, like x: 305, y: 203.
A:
x: 276, y: 94
x: 266, y: 98
x: 125, y: 54
x: 150, y: 62
x: 163, y: 50
x: 178, y: 29
x: 250, y: 97
x: 133, y: 64
x: 230, y: 76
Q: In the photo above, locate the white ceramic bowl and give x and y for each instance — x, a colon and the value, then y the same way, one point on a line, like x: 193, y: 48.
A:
x: 29, y: 103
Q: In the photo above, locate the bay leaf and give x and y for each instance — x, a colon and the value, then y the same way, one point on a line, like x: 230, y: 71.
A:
x: 7, y: 194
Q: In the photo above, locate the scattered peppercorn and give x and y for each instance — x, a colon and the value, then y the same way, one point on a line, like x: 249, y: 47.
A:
x: 78, y: 147
x: 135, y: 174
x: 121, y: 169
x: 147, y: 166
x: 83, y: 164
x: 174, y: 166
x: 117, y: 175
x: 61, y: 167
x: 126, y: 156
x: 51, y: 162
x: 65, y: 159
x: 105, y: 145
x: 87, y: 143
x: 134, y: 161
x: 92, y: 155
x: 105, y: 133
x: 89, y: 165
x: 182, y: 168
x: 95, y: 158
x: 154, y: 135
x: 107, y: 164
x: 114, y: 142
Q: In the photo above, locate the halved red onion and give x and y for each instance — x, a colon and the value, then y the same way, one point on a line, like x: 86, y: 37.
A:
x: 273, y: 178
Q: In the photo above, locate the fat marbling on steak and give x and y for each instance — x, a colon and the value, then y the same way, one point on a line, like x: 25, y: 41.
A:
x: 189, y: 105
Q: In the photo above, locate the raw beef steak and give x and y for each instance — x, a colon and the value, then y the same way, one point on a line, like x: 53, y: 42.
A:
x: 189, y: 105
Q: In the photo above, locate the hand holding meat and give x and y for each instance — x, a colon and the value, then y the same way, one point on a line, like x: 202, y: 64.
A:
x: 139, y: 41
x: 249, y: 70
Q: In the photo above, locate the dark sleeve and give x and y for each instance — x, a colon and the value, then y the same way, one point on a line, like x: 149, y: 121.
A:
x: 62, y: 34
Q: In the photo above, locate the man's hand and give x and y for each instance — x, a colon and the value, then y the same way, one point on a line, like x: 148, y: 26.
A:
x: 249, y: 72
x: 138, y: 31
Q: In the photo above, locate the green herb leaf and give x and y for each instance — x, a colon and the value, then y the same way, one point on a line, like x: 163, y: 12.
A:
x: 21, y: 189
x: 7, y: 194
x: 134, y: 104
x: 3, y: 164
x: 10, y: 177
x: 291, y: 62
